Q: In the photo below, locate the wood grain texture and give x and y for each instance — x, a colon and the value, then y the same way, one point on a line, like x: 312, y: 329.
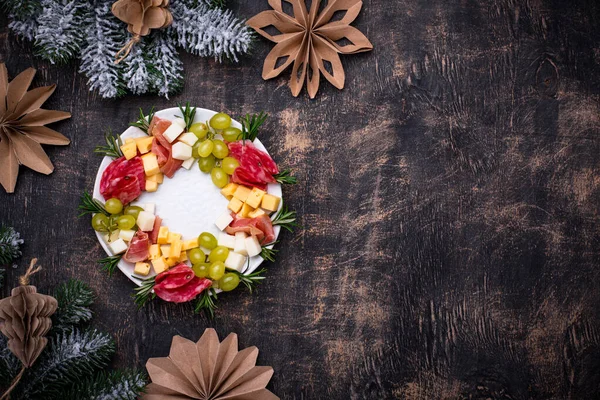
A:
x: 448, y: 197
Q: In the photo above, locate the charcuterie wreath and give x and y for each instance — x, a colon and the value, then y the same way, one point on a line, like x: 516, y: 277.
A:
x: 165, y: 225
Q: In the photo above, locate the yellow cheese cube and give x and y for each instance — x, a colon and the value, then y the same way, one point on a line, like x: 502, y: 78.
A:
x: 129, y: 140
x: 144, y: 144
x: 160, y: 265
x: 141, y: 268
x: 190, y: 244
x: 173, y: 237
x: 183, y: 257
x: 158, y: 178
x: 154, y: 252
x: 256, y: 213
x: 151, y: 186
x: 150, y: 164
x: 255, y: 197
x: 235, y: 205
x: 163, y: 235
x: 270, y: 202
x: 245, y: 211
x: 172, y: 261
x: 228, y: 190
x: 129, y: 150
x: 242, y: 193
x: 165, y: 249
x: 175, y: 250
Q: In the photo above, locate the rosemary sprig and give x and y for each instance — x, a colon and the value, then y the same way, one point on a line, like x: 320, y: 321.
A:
x: 250, y: 125
x: 144, y: 293
x: 144, y: 122
x: 89, y: 205
x: 251, y: 280
x: 113, y: 146
x: 285, y: 218
x: 267, y: 253
x: 285, y: 177
x: 109, y: 264
x: 206, y: 302
x: 188, y: 114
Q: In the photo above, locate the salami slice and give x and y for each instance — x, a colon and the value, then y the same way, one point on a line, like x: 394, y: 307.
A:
x: 138, y: 248
x: 123, y: 179
x: 256, y: 167
x: 180, y: 284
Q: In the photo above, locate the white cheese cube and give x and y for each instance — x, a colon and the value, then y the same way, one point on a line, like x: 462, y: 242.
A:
x: 188, y: 138
x: 240, y: 243
x: 149, y: 207
x: 252, y: 246
x: 173, y: 132
x: 118, y: 246
x: 179, y: 121
x: 145, y: 221
x: 126, y: 235
x: 187, y: 164
x: 235, y: 261
x: 112, y: 237
x: 226, y: 240
x: 223, y: 221
x: 181, y: 151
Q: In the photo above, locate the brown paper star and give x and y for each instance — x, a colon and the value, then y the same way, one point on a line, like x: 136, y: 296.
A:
x: 22, y: 130
x: 309, y: 41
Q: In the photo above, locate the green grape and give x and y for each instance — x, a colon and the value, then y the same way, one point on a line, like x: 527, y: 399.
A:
x: 100, y: 222
x: 229, y: 281
x: 232, y: 134
x: 113, y: 206
x: 195, y: 149
x: 201, y: 269
x: 220, y: 121
x: 219, y: 177
x: 229, y: 164
x: 206, y: 148
x: 196, y: 256
x: 199, y: 129
x: 113, y: 221
x: 134, y: 211
x: 216, y: 270
x: 220, y: 149
x: 207, y: 240
x: 219, y: 253
x: 207, y: 163
x: 126, y: 222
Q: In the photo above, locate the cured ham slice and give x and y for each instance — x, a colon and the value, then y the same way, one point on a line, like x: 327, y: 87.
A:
x: 261, y: 227
x: 138, y: 248
x: 155, y: 229
x: 162, y: 148
x: 123, y: 179
x: 256, y: 167
x: 179, y: 284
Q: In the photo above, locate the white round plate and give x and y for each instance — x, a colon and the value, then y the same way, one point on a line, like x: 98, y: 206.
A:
x: 189, y: 203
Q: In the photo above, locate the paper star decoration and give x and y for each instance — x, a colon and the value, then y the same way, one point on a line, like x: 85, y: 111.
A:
x: 308, y: 39
x: 22, y: 130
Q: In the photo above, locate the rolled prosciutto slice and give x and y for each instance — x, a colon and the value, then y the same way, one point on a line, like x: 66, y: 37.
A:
x: 138, y: 248
x: 261, y: 227
x: 162, y: 148
x: 123, y: 179
x: 179, y: 284
x: 155, y: 229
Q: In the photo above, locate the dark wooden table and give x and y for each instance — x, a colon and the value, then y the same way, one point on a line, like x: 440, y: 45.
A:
x: 449, y: 197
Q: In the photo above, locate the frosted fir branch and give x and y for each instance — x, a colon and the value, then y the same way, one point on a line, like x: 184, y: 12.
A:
x: 104, y: 37
x: 74, y: 300
x: 135, y: 71
x: 209, y: 32
x: 65, y: 360
x: 10, y: 244
x: 122, y: 385
x: 59, y: 35
x: 26, y: 29
x: 9, y: 364
x: 21, y: 9
x: 166, y: 69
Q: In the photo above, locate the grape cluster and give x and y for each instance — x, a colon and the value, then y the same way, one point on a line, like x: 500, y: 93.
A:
x: 213, y: 266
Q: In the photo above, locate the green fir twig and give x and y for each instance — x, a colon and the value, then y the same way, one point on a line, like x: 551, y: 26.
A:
x: 285, y: 177
x: 145, y: 292
x: 89, y: 205
x: 285, y: 218
x: 113, y: 146
x: 251, y: 124
x: 10, y: 246
x: 188, y: 114
x: 269, y: 254
x: 206, y: 302
x: 110, y: 264
x: 144, y: 121
x: 251, y: 280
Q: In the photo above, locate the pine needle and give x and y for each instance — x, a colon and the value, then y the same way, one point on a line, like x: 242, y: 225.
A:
x: 251, y: 124
x: 89, y: 205
x: 112, y: 148
x: 144, y: 121
x: 74, y: 300
x: 188, y: 114
x: 285, y: 177
x: 110, y: 264
x: 145, y: 292
x: 206, y: 302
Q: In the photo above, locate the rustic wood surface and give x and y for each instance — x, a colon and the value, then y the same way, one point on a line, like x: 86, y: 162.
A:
x: 448, y: 197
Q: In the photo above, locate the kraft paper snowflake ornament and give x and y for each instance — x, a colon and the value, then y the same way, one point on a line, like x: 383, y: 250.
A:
x: 308, y: 39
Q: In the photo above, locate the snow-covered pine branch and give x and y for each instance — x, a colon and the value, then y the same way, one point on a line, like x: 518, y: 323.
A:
x: 135, y: 69
x: 166, y: 69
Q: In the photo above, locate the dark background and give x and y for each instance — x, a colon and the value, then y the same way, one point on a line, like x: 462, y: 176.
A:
x: 449, y: 198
